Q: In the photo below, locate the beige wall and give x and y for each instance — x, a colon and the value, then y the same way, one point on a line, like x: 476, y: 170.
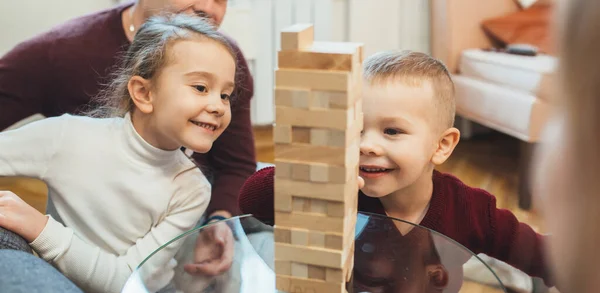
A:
x: 22, y: 19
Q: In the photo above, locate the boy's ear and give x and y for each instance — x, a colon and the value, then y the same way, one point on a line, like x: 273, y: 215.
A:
x: 446, y: 145
x: 139, y: 91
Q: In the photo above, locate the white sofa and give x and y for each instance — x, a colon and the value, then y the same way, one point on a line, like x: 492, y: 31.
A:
x: 507, y: 93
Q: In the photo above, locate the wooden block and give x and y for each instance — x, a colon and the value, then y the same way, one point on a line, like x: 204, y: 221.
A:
x: 316, y: 272
x: 310, y: 221
x: 283, y: 201
x: 283, y: 169
x: 300, y: 172
x: 283, y: 267
x: 300, y: 102
x: 299, y: 270
x: 358, y: 109
x: 305, y: 153
x: 309, y: 255
x: 282, y: 133
x: 323, y: 55
x: 335, y: 209
x: 282, y: 235
x: 301, y: 285
x: 338, y: 138
x: 315, y: 60
x: 299, y: 237
x: 334, y: 241
x: 316, y: 239
x: 320, y: 80
x: 330, y: 100
x: 296, y: 37
x: 337, y: 192
x: 319, y: 136
x: 342, y: 174
x: 301, y: 134
x: 349, y: 264
x: 324, y: 137
x: 307, y: 207
x: 334, y: 275
x: 300, y: 204
x: 318, y: 206
x: 338, y: 48
x: 292, y: 97
x: 335, y: 174
x: 319, y: 173
x: 321, y: 100
x: 325, y: 118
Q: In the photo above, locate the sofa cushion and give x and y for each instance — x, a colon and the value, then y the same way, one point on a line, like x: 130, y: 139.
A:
x: 529, y: 26
x: 516, y: 113
x: 523, y: 73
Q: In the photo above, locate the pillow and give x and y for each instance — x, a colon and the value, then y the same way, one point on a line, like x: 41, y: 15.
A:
x: 528, y: 26
x: 524, y: 4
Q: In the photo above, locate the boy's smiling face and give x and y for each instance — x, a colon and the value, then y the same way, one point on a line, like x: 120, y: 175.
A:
x: 400, y: 135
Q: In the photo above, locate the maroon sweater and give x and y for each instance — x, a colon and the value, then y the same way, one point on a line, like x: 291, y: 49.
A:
x: 61, y: 70
x: 465, y: 214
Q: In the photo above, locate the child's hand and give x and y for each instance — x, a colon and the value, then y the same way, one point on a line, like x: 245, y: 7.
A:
x: 361, y: 182
x: 214, y: 251
x: 19, y: 217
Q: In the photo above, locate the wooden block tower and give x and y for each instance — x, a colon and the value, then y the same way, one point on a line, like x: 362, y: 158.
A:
x: 318, y: 120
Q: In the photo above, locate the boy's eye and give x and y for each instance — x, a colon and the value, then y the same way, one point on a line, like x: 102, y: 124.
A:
x: 201, y: 88
x: 225, y: 96
x: 392, y: 131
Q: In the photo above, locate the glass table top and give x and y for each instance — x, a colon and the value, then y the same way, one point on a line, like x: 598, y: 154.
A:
x: 390, y: 255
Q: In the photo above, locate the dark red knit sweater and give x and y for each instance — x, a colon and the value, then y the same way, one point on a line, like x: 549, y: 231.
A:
x: 467, y: 215
x: 59, y: 71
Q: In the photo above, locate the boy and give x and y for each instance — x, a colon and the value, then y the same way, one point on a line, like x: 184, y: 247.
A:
x: 408, y: 129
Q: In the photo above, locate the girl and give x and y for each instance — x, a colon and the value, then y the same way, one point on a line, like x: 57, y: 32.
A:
x: 120, y: 185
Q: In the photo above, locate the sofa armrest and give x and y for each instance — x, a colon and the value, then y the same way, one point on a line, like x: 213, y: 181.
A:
x: 456, y: 26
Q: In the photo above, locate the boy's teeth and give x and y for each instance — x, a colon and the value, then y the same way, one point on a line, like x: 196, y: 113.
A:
x: 373, y: 170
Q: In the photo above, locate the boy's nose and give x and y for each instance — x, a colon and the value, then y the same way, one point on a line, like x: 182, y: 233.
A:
x: 369, y: 147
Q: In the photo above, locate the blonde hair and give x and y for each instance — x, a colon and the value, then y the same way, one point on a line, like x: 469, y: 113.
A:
x: 579, y: 90
x: 146, y: 55
x: 413, y: 68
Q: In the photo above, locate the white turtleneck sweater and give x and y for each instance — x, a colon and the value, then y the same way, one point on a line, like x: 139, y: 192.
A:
x: 118, y: 197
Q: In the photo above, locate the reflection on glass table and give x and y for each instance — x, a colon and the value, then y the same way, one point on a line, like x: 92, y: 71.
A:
x: 390, y: 255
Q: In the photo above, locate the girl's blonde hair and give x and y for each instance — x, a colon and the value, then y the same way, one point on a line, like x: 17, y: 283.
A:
x: 579, y: 96
x: 146, y: 55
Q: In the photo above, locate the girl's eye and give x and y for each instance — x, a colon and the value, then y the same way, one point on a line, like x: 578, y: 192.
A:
x: 201, y: 88
x: 225, y: 96
x: 391, y: 131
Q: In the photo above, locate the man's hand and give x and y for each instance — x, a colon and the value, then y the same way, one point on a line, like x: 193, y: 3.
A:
x: 19, y: 217
x: 213, y: 254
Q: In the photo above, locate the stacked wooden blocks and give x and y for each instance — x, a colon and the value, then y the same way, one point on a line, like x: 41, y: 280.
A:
x: 318, y: 120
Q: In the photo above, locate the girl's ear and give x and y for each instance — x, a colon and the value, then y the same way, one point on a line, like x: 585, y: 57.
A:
x: 446, y: 145
x: 139, y: 91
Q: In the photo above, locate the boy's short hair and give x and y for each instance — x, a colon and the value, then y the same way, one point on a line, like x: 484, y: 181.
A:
x: 412, y: 68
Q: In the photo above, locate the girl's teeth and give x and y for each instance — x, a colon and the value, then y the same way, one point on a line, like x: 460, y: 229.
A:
x: 204, y: 125
x: 373, y: 170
